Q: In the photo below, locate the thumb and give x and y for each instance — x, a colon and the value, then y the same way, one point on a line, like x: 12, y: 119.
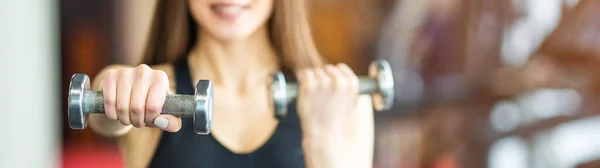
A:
x: 168, y: 122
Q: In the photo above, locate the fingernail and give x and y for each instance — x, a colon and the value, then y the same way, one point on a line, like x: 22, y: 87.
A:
x: 161, y: 122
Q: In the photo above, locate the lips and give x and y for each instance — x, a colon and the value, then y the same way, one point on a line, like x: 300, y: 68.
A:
x: 228, y: 11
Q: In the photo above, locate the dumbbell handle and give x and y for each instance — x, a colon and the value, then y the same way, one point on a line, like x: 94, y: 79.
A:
x: 366, y: 85
x: 175, y: 104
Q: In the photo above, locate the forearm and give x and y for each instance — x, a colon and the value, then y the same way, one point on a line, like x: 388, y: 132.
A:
x: 321, y: 151
x: 333, y: 152
x: 347, y: 143
x: 337, y: 126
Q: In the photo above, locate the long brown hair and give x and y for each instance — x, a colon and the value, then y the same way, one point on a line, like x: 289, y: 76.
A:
x: 173, y: 33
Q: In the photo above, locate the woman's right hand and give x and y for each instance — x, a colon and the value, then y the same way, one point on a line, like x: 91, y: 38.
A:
x: 135, y: 96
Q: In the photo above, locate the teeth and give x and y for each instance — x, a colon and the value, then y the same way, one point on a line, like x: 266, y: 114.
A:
x: 229, y: 9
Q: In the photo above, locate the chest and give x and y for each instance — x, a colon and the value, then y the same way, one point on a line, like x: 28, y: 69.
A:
x: 243, y: 122
x: 192, y: 150
x: 244, y: 134
x: 242, y: 108
x: 240, y: 138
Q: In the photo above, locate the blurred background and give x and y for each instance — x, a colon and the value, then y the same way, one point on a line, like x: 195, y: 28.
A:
x: 479, y: 83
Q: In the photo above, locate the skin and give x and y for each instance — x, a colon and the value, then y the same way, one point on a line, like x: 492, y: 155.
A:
x: 237, y: 55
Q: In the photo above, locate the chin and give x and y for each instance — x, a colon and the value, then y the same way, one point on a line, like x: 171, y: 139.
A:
x: 230, y: 34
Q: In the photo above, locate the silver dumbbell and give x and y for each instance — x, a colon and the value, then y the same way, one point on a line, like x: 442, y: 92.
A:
x: 379, y: 83
x: 83, y: 101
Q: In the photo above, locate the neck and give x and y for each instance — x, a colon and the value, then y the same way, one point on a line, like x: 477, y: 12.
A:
x: 235, y: 62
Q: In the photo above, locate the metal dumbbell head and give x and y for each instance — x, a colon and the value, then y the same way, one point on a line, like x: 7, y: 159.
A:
x: 79, y: 84
x: 280, y: 95
x: 384, y: 98
x: 83, y: 101
x: 204, y: 107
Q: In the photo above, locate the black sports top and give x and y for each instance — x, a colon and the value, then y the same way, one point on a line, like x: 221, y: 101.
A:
x: 188, y: 149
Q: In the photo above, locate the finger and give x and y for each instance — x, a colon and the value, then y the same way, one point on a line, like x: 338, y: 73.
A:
x: 323, y: 79
x: 300, y: 74
x: 109, y: 91
x: 308, y: 82
x: 156, y: 96
x: 139, y: 93
x: 168, y: 122
x: 351, y: 78
x: 350, y: 75
x: 340, y: 81
x: 124, y: 86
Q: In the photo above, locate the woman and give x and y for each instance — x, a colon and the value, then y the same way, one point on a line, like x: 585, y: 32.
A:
x: 237, y: 45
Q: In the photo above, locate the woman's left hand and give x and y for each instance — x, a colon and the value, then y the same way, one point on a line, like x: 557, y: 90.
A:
x: 337, y: 124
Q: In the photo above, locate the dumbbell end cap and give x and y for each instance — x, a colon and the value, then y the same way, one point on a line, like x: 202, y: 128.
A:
x: 279, y: 93
x: 204, y: 107
x: 77, y: 118
x: 382, y: 71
